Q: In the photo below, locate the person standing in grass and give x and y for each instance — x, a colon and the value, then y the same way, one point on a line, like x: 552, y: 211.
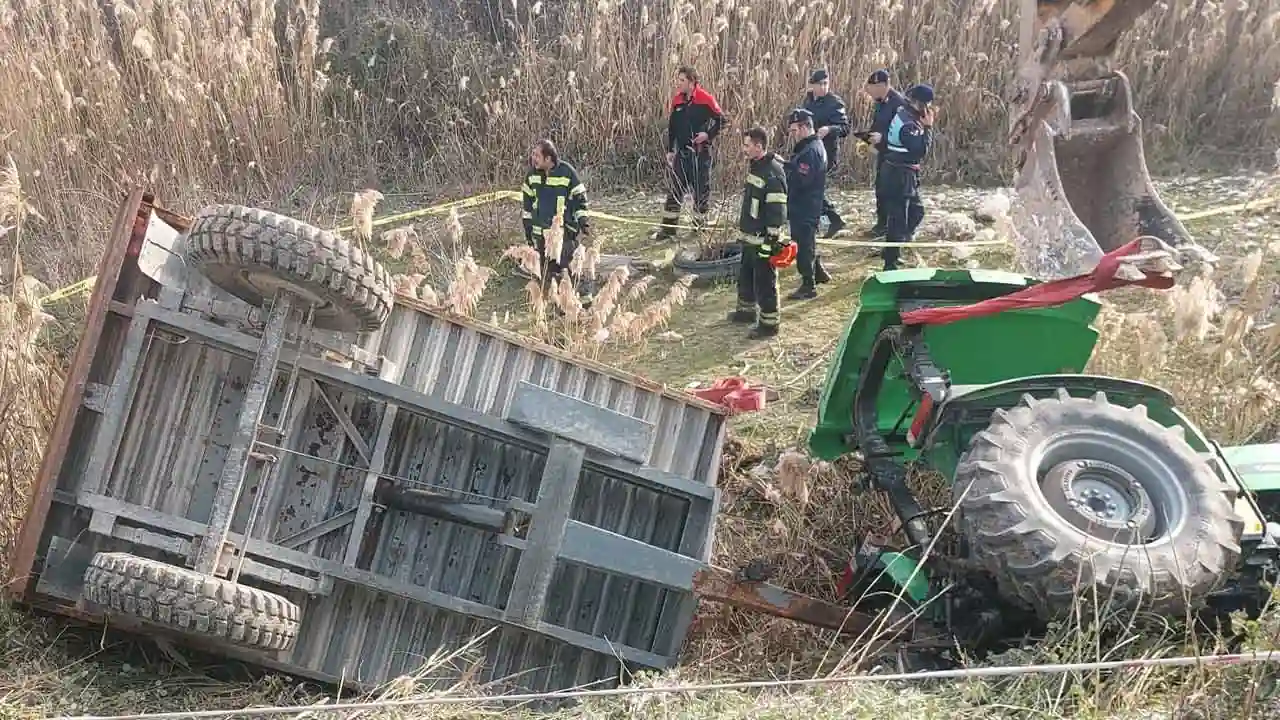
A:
x: 552, y: 188
x: 764, y: 212
x: 806, y: 187
x: 887, y: 101
x: 693, y: 121
x: 831, y: 121
x: 906, y: 144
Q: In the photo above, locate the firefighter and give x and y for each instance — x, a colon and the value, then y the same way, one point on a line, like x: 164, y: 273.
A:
x: 764, y: 212
x: 694, y: 121
x: 552, y: 188
x: 887, y: 100
x: 831, y: 120
x: 806, y: 186
x: 907, y: 143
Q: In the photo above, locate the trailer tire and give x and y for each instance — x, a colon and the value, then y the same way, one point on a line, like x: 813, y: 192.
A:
x: 252, y: 253
x: 185, y: 600
x: 1052, y: 555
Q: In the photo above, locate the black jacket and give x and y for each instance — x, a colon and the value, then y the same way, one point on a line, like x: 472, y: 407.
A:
x: 690, y: 115
x: 884, y: 112
x: 764, y: 199
x: 829, y: 111
x: 806, y: 180
x: 548, y: 193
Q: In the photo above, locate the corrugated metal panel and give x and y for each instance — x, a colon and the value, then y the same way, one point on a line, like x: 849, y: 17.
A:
x: 180, y: 425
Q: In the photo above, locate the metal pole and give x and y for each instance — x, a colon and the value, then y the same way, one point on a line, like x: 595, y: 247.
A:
x: 255, y: 400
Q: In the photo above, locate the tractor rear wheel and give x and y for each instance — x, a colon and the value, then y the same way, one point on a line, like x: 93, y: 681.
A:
x: 1068, y: 500
x: 253, y: 254
x: 175, y: 597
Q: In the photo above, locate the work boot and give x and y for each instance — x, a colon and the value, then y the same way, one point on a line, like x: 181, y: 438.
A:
x: 742, y: 316
x: 876, y: 232
x: 835, y: 225
x: 759, y: 332
x: 804, y: 292
x: 820, y: 274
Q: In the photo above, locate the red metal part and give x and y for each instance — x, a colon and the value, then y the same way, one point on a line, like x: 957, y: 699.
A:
x: 118, y: 243
x: 719, y: 585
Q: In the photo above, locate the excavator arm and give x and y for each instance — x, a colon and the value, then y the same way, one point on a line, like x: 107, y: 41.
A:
x: 1083, y: 188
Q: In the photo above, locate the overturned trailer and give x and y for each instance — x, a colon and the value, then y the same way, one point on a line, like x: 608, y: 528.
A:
x: 259, y: 451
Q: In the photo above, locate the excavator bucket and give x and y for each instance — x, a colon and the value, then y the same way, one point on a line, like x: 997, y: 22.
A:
x: 1082, y: 186
x: 1083, y: 189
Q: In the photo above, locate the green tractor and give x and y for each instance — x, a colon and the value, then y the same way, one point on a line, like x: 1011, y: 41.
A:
x: 1065, y: 486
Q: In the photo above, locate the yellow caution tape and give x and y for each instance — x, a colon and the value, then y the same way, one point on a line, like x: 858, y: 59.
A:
x: 441, y: 209
x: 79, y: 288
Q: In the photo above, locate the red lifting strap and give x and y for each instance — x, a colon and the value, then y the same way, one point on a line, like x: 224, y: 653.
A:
x: 1047, y: 294
x: 735, y: 394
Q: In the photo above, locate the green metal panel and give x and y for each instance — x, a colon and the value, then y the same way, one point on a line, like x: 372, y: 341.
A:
x: 976, y: 351
x: 1257, y: 465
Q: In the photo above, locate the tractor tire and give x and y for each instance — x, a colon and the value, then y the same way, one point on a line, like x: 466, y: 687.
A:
x: 1071, y: 500
x: 185, y: 600
x: 254, y: 253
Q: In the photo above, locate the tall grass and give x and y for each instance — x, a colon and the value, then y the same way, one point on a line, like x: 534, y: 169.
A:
x: 282, y: 104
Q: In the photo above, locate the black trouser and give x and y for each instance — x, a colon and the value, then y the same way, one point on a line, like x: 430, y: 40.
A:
x: 828, y: 209
x: 689, y: 172
x: 880, y: 206
x: 805, y: 235
x: 552, y: 267
x: 903, y: 209
x: 757, y: 284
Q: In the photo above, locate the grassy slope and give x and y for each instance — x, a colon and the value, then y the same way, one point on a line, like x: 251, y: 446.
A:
x: 46, y: 667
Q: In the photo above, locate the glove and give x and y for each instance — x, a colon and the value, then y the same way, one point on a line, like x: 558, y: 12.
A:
x: 784, y: 256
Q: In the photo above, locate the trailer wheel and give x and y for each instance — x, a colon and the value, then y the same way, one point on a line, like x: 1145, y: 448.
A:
x: 1067, y: 500
x: 252, y: 253
x: 183, y: 599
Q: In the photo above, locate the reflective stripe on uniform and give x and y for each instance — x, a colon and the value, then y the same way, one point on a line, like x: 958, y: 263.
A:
x: 578, y: 189
x: 534, y: 180
x: 527, y: 190
x: 579, y: 214
x: 775, y: 198
x: 768, y: 318
x: 527, y: 216
x: 755, y: 208
x: 774, y: 231
x: 755, y: 180
x: 558, y: 181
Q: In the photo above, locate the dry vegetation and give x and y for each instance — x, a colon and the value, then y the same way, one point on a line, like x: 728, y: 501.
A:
x: 300, y: 103
x: 302, y: 100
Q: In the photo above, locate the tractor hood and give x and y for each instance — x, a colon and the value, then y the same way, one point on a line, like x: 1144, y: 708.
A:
x: 974, y: 351
x: 1258, y: 466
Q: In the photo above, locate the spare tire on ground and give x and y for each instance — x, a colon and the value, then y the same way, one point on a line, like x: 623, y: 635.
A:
x: 254, y: 253
x: 185, y: 600
x: 1068, y: 500
x: 710, y: 264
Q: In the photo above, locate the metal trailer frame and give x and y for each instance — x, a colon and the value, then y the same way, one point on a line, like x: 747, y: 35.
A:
x: 440, y: 481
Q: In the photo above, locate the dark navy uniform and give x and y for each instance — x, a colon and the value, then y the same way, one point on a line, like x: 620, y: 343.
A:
x: 689, y: 115
x: 557, y: 191
x: 764, y: 212
x: 829, y: 111
x: 907, y: 144
x: 884, y: 112
x: 806, y: 187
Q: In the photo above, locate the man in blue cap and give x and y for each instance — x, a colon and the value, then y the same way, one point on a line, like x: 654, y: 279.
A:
x: 830, y: 122
x: 907, y: 143
x: 806, y: 187
x: 887, y: 101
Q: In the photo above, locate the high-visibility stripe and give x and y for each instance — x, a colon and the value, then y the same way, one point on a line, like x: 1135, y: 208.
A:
x: 746, y: 306
x: 560, y: 205
x: 527, y: 216
x: 578, y: 189
x: 755, y: 180
x: 775, y: 198
x: 534, y: 180
x: 527, y: 190
x: 755, y: 208
x: 774, y: 231
x: 558, y: 181
x: 579, y: 214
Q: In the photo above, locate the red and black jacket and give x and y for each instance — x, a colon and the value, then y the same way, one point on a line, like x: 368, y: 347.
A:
x: 690, y: 115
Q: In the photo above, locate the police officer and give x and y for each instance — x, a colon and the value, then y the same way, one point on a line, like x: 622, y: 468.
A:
x: 887, y: 100
x: 831, y: 120
x: 907, y: 143
x: 764, y: 212
x: 806, y: 186
x: 693, y: 122
x: 552, y: 188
